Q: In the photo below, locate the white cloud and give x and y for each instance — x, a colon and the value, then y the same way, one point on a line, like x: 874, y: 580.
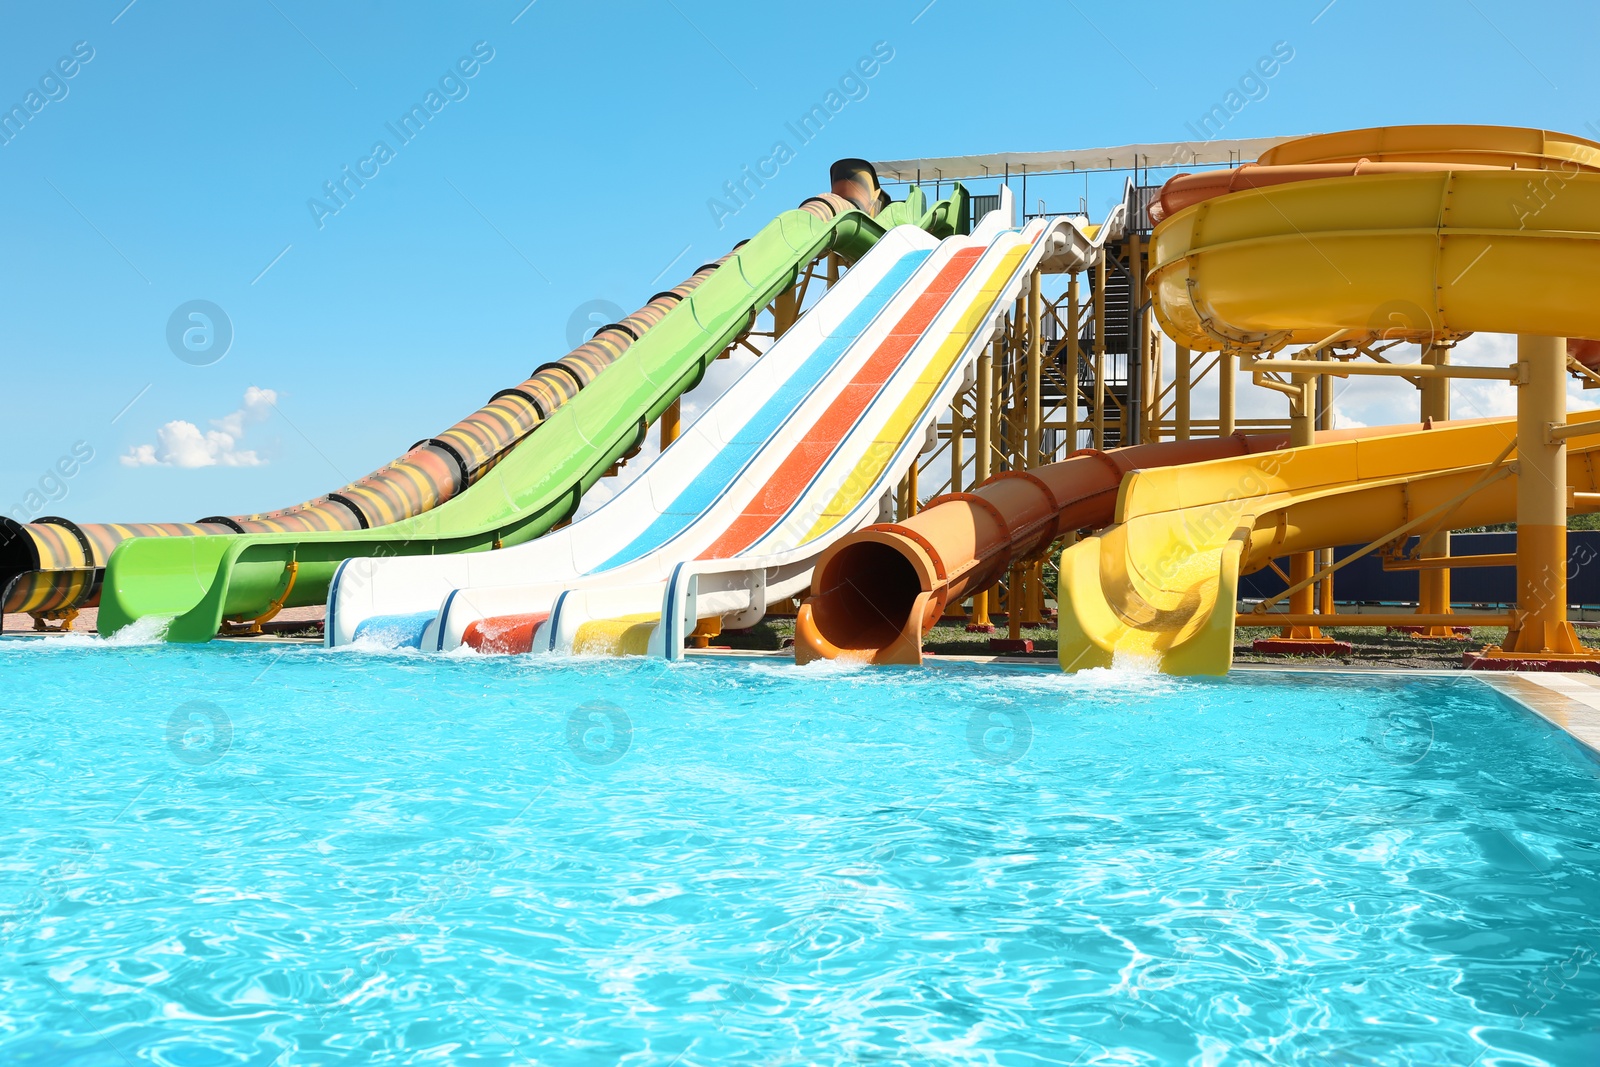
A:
x: 258, y: 405
x: 180, y: 443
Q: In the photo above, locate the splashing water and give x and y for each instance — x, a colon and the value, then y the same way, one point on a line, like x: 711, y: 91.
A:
x: 1135, y: 662
x: 149, y: 630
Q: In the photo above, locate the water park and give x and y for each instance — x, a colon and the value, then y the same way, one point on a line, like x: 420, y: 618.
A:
x: 1125, y: 604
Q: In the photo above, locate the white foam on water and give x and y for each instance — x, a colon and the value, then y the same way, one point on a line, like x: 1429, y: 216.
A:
x: 824, y: 667
x: 380, y: 642
x: 148, y: 630
x: 1129, y: 661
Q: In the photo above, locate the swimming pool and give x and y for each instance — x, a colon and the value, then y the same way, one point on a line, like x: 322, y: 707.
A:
x: 237, y: 854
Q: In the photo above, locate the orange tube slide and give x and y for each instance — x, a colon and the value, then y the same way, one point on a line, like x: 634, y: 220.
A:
x: 878, y: 591
x: 1186, y: 190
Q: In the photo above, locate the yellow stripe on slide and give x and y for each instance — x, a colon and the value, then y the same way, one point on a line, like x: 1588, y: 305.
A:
x: 883, y: 447
x: 627, y: 635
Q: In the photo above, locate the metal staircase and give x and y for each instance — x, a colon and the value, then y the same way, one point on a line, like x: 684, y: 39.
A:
x: 1118, y: 318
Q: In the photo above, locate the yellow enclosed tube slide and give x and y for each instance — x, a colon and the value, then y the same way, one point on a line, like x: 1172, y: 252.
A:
x: 1163, y: 582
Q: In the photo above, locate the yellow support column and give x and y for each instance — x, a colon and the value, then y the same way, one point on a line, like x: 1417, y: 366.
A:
x: 1322, y: 390
x: 1541, y: 632
x: 1074, y: 364
x: 1180, y: 389
x: 1433, y: 586
x: 671, y: 420
x: 1227, y: 384
x: 1302, y: 431
x: 958, y: 433
x: 983, y: 424
x: 1298, y: 639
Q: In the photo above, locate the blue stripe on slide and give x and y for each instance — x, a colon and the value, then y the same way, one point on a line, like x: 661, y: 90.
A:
x: 394, y: 631
x: 763, y: 426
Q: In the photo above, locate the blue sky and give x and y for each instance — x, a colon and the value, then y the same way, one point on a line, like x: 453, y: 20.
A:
x: 575, y: 163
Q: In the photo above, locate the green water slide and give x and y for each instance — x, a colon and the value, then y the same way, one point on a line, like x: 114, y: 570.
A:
x: 197, y: 582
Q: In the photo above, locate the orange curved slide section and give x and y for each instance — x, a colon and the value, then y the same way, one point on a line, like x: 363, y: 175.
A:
x: 1384, y: 150
x: 878, y: 591
x: 1187, y: 190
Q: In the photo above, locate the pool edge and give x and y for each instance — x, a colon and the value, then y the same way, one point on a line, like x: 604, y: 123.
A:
x: 1568, y: 701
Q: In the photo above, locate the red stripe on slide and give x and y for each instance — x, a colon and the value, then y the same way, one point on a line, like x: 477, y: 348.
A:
x: 504, y: 635
x: 802, y: 465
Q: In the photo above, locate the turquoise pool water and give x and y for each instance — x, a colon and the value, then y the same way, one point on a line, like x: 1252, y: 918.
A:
x: 241, y: 855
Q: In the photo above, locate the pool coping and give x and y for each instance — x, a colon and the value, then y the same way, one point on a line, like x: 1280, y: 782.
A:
x: 1569, y: 701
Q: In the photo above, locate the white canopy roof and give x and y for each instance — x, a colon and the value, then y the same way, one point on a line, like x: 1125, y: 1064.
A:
x: 1122, y: 157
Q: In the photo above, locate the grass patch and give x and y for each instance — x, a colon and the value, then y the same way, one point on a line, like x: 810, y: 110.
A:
x: 1375, y: 647
x: 1370, y: 646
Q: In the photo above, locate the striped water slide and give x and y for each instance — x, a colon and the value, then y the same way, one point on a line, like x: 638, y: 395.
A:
x: 767, y: 558
x: 777, y: 487
x: 190, y: 585
x: 832, y: 482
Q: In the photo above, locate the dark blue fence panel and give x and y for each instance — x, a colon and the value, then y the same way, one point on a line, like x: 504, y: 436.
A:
x: 1365, y: 580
